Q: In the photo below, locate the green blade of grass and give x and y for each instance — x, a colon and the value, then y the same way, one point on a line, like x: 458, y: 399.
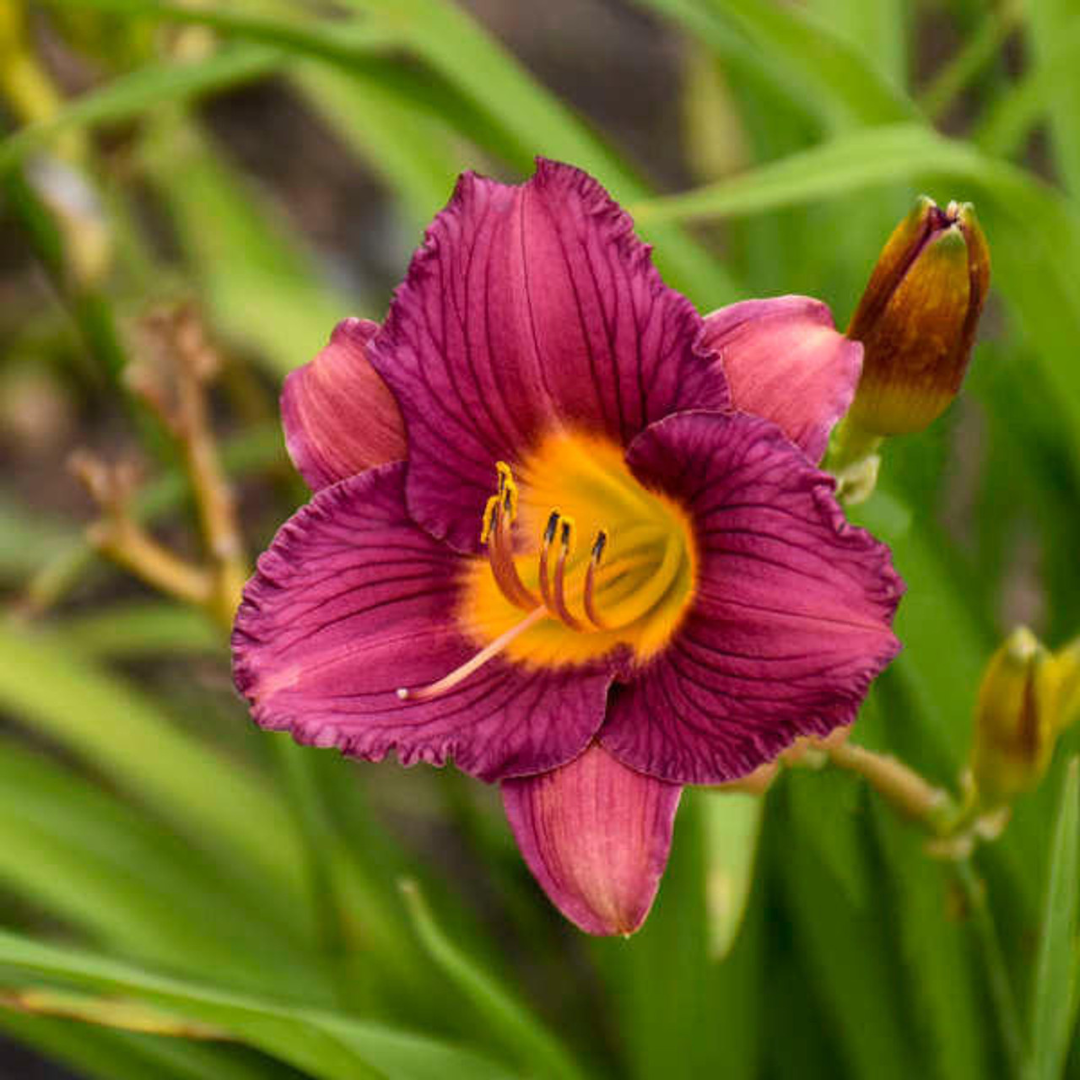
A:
x: 121, y: 733
x: 830, y: 71
x: 732, y: 821
x: 84, y: 856
x: 1034, y: 233
x: 327, y: 1045
x: 1055, y: 980
x: 104, y: 1054
x: 336, y: 40
x: 259, y: 283
x: 1010, y: 119
x: 1047, y: 22
x: 511, y: 1023
x: 533, y: 121
x: 136, y: 630
x: 129, y: 96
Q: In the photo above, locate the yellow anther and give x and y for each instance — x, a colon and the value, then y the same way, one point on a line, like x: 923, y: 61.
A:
x: 490, y: 509
x: 507, y: 490
x: 510, y: 500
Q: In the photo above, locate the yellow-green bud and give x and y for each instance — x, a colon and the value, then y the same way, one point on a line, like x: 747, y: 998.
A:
x: 1067, y: 670
x: 1015, y: 727
x: 917, y: 318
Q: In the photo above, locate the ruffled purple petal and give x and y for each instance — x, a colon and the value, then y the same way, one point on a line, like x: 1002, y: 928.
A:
x: 785, y: 360
x: 339, y: 416
x: 596, y: 836
x: 529, y: 309
x: 352, y: 601
x: 791, y: 615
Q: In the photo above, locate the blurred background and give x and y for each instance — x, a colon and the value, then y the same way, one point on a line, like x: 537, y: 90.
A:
x: 183, y: 896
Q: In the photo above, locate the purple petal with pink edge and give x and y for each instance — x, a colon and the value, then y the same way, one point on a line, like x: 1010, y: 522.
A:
x: 785, y: 360
x: 527, y: 309
x: 352, y: 601
x: 596, y: 836
x: 339, y: 416
x: 791, y: 616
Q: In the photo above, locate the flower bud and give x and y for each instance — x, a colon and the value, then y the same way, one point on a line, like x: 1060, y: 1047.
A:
x: 917, y: 318
x: 1015, y: 727
x: 1067, y: 669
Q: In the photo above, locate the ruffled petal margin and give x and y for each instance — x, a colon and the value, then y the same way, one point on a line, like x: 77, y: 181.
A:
x: 791, y: 618
x: 352, y: 601
x: 785, y: 360
x: 596, y: 836
x: 338, y: 414
x: 530, y: 309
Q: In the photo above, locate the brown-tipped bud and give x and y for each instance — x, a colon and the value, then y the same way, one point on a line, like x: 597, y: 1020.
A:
x: 917, y: 318
x: 1015, y: 728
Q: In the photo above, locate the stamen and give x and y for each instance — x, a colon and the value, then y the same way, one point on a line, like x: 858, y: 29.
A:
x: 501, y: 559
x: 448, y: 682
x: 644, y: 599
x: 549, y: 537
x: 590, y: 579
x: 489, y: 518
x: 565, y: 541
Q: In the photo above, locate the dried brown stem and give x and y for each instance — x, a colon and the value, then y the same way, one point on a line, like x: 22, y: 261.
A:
x: 172, y: 378
x: 118, y: 535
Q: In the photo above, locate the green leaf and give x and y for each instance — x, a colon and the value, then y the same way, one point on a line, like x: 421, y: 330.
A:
x: 142, y: 629
x: 129, y: 96
x: 939, y: 966
x: 660, y: 981
x: 534, y: 121
x: 325, y: 1044
x: 85, y: 857
x: 511, y: 1023
x: 1048, y: 22
x: 1055, y: 983
x: 260, y: 283
x: 831, y: 71
x: 118, y: 731
x: 732, y: 821
x: 1034, y: 233
x: 331, y: 39
x: 105, y: 1054
x: 1009, y: 119
x: 879, y: 32
x: 854, y: 972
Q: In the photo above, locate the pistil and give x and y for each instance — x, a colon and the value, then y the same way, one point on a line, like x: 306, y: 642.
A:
x: 489, y: 652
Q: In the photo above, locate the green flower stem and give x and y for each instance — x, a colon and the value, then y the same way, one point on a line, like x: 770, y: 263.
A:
x: 854, y: 461
x: 904, y: 789
x: 1001, y: 990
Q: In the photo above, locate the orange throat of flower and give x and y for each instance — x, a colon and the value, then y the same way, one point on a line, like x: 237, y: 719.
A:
x: 544, y: 598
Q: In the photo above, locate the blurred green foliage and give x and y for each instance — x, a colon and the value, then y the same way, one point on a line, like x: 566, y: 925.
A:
x: 156, y: 849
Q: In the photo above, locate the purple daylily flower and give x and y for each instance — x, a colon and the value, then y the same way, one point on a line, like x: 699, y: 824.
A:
x: 568, y: 534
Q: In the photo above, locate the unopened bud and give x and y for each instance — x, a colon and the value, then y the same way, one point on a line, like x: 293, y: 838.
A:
x: 918, y: 317
x: 1067, y: 669
x: 1015, y: 727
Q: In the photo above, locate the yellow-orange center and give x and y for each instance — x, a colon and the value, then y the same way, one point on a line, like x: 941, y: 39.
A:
x: 581, y: 558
